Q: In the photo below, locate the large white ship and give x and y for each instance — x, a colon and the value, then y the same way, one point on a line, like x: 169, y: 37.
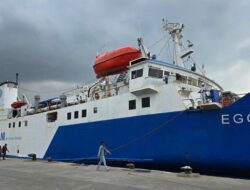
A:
x: 153, y: 113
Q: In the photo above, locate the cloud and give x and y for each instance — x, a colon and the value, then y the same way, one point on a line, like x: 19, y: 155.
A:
x: 58, y: 40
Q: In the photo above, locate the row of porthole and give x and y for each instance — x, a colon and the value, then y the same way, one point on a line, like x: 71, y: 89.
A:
x: 76, y: 114
x: 132, y: 105
x: 19, y: 124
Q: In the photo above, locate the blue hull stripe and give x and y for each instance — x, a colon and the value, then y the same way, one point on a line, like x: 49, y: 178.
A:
x: 189, y: 137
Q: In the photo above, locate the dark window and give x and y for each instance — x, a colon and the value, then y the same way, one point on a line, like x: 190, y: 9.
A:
x: 155, y: 72
x: 25, y: 123
x: 76, y: 114
x: 95, y: 110
x: 13, y: 124
x: 136, y: 74
x: 19, y: 124
x: 9, y: 125
x: 84, y: 113
x: 14, y: 113
x: 132, y: 104
x: 178, y: 76
x: 68, y: 116
x: 166, y: 73
x: 166, y: 79
x: 145, y: 102
x: 181, y: 78
x: 52, y: 117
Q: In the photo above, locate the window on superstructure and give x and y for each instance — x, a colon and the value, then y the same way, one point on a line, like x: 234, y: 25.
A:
x: 145, y: 102
x: 52, y: 117
x: 9, y: 125
x: 200, y: 81
x: 166, y: 73
x: 19, y: 124
x: 13, y: 124
x: 25, y: 123
x: 76, y: 114
x: 95, y: 110
x: 136, y: 74
x: 181, y: 78
x: 155, y: 72
x: 84, y: 113
x: 69, y: 116
x: 192, y: 81
x: 132, y: 104
x: 14, y: 113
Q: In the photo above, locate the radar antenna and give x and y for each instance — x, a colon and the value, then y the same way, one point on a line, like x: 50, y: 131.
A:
x: 175, y: 30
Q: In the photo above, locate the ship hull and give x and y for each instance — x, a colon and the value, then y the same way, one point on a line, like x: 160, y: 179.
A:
x: 215, y: 140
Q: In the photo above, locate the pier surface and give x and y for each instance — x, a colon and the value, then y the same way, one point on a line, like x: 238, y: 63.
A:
x: 27, y: 174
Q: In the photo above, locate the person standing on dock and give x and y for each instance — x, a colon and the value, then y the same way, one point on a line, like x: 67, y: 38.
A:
x: 101, y: 154
x: 4, y: 150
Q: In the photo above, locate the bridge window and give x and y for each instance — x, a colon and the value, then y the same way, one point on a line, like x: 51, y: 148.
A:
x: 19, y: 124
x: 69, y: 116
x: 192, y: 81
x: 52, y: 117
x: 84, y: 113
x: 136, y: 74
x: 200, y: 81
x: 155, y: 72
x: 145, y: 102
x: 13, y: 124
x: 166, y: 73
x: 9, y: 125
x: 25, y: 123
x: 95, y: 109
x: 76, y: 114
x: 132, y: 104
x: 181, y: 78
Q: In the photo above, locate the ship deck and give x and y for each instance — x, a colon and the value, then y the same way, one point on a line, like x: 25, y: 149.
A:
x: 27, y: 174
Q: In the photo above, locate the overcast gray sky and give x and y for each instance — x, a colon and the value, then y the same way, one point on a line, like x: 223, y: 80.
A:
x: 53, y: 43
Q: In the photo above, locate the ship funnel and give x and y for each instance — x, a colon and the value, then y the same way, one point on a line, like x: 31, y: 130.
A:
x: 17, y: 74
x: 63, y: 99
x: 37, y: 100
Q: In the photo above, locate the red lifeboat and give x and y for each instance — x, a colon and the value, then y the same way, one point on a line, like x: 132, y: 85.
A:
x: 18, y: 104
x: 115, y: 61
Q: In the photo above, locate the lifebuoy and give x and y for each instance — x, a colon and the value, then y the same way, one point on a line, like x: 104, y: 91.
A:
x: 227, y: 101
x: 97, y: 96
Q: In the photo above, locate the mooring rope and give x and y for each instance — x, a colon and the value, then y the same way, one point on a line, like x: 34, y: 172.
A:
x: 147, y: 133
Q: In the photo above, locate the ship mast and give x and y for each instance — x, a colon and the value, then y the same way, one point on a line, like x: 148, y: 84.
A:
x: 175, y: 30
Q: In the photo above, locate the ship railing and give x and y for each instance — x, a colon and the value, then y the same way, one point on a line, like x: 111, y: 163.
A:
x: 208, y: 101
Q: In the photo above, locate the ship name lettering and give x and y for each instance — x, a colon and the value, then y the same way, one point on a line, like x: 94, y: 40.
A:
x: 238, y: 118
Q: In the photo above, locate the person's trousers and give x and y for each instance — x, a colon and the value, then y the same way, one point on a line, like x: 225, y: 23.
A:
x: 102, y: 160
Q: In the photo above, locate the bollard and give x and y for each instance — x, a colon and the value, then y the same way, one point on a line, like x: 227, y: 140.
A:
x: 187, y: 169
x: 130, y: 166
x: 33, y: 156
x: 49, y: 159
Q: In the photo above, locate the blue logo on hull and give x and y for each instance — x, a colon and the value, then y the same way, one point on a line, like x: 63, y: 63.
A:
x: 2, y: 136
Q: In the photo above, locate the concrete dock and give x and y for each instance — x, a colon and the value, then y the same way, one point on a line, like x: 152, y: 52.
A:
x: 18, y: 174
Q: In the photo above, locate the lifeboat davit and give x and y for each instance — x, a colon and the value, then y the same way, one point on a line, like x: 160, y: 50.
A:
x: 18, y: 104
x: 115, y: 61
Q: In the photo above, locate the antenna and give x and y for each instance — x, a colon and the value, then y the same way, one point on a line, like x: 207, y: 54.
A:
x: 143, y: 49
x: 175, y: 31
